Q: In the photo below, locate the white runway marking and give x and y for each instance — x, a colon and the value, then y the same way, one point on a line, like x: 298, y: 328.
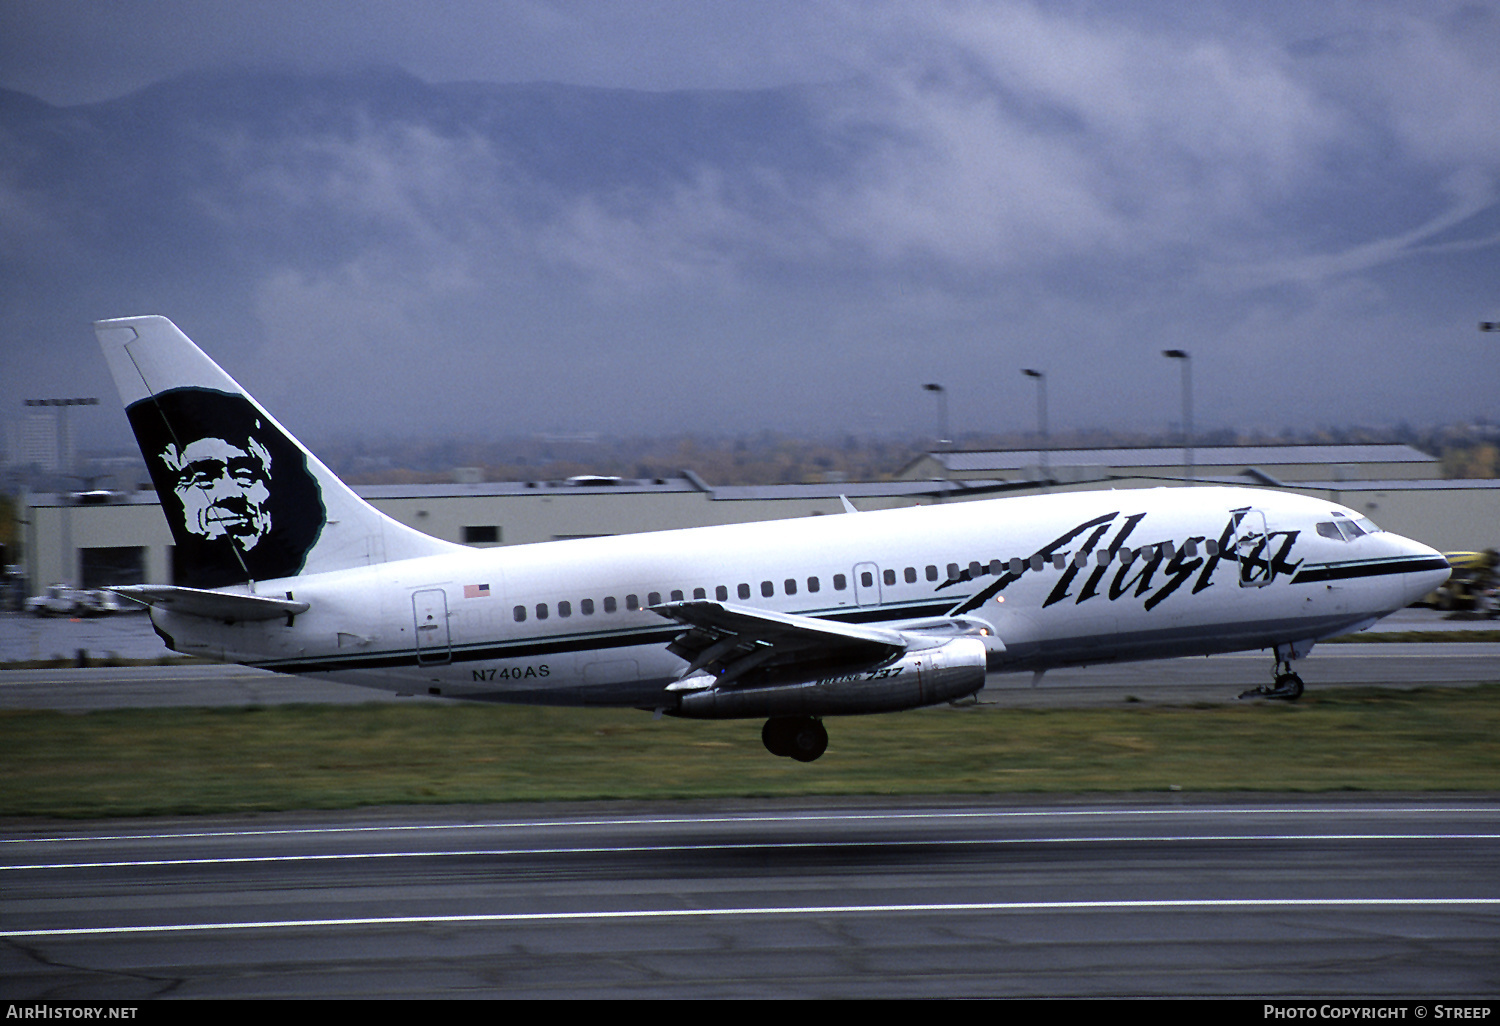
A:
x: 751, y: 818
x: 1253, y: 904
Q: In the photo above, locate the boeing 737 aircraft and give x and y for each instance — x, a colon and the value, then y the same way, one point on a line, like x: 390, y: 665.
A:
x: 283, y: 567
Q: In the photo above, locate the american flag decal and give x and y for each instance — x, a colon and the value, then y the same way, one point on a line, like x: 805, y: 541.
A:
x: 476, y: 591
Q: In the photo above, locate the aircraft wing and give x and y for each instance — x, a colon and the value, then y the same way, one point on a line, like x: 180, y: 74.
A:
x: 212, y: 605
x: 734, y: 642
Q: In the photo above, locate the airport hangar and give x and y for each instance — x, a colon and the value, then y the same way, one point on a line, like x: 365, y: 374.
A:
x: 95, y: 539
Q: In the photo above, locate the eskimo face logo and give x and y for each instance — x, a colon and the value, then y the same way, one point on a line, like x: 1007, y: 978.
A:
x: 237, y: 492
x: 223, y: 488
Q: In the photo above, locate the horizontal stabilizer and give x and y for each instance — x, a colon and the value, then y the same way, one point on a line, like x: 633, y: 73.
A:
x: 212, y: 605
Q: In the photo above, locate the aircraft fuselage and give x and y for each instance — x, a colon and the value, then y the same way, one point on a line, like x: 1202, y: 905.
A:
x: 568, y: 622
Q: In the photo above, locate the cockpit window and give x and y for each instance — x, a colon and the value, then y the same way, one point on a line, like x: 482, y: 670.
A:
x: 1346, y: 528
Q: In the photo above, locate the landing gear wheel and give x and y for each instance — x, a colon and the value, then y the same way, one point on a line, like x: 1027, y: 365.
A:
x: 809, y: 741
x: 776, y: 735
x: 795, y: 737
x: 1288, y: 686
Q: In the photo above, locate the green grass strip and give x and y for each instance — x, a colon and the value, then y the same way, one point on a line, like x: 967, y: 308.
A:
x: 186, y: 761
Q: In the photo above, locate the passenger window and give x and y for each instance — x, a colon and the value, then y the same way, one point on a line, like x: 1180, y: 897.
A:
x: 520, y: 614
x: 976, y: 569
x: 1017, y: 565
x: 813, y: 585
x: 866, y: 579
x: 676, y: 596
x: 952, y: 571
x: 565, y: 609
x: 653, y: 598
x: 699, y: 593
x: 1036, y: 562
x: 631, y: 602
x: 609, y: 604
x: 840, y: 582
x: 743, y: 591
x: 721, y: 593
x: 996, y: 567
x: 1211, y: 547
x: 790, y: 584
x: 541, y: 610
x: 767, y: 589
x: 888, y: 576
x: 586, y: 607
x: 931, y: 572
x: 911, y: 575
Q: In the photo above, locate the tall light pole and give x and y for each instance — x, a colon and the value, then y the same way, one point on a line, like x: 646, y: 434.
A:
x: 943, y: 442
x: 1041, y: 418
x: 1187, y: 405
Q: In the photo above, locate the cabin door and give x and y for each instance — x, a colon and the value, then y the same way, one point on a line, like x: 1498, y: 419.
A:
x: 1252, y: 548
x: 430, y: 613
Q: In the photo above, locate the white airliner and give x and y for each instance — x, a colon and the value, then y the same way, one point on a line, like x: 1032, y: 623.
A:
x: 282, y: 566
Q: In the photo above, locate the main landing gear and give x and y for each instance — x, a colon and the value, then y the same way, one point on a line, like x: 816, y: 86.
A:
x: 795, y: 737
x: 1288, y: 686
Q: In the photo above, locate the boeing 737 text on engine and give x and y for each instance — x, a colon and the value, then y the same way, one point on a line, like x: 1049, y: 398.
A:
x: 283, y: 567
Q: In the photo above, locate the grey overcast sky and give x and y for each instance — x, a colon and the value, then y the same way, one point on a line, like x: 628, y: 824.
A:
x: 75, y: 52
x: 1302, y: 194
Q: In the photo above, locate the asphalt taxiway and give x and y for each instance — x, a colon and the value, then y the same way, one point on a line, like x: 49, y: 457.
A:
x: 1159, y: 682
x: 1172, y: 681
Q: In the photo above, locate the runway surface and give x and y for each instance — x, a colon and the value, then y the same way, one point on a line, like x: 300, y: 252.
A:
x: 1256, y: 896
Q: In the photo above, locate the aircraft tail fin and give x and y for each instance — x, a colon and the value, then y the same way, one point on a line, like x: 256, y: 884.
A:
x: 245, y: 500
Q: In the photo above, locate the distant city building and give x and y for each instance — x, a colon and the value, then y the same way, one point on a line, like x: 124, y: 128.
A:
x: 43, y: 439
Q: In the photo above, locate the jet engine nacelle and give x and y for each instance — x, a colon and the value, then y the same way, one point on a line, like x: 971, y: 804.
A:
x: 939, y: 672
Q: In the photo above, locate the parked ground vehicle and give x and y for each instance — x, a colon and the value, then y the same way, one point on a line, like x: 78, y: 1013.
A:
x: 66, y: 600
x: 1471, y: 587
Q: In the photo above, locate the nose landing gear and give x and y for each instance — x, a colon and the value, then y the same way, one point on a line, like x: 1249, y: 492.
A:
x: 795, y: 737
x: 1287, y: 686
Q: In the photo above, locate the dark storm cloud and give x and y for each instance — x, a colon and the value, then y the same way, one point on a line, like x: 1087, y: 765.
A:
x: 1306, y: 199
